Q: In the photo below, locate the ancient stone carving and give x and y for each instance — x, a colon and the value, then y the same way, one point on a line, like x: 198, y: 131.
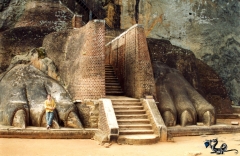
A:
x: 201, y: 76
x: 23, y: 91
x: 178, y: 100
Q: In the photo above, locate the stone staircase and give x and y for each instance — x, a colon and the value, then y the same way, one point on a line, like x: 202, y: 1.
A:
x: 133, y: 122
x: 112, y: 85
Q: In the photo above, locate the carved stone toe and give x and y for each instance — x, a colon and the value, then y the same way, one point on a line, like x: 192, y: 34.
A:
x: 208, y: 118
x: 169, y: 119
x: 186, y: 118
x: 19, y: 119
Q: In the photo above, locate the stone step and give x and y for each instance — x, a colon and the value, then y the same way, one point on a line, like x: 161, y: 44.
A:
x: 228, y: 116
x: 109, y: 71
x: 143, y: 139
x: 114, y: 93
x: 126, y: 103
x: 113, y: 87
x: 108, y: 68
x: 136, y: 116
x: 129, y: 112
x: 112, y: 84
x: 139, y: 126
x: 114, y: 90
x: 123, y: 108
x: 112, y: 81
x: 130, y: 132
x: 108, y: 65
x: 110, y: 76
x: 124, y: 100
x: 132, y: 121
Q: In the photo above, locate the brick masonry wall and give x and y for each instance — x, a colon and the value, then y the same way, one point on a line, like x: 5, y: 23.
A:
x: 129, y: 55
x: 90, y: 83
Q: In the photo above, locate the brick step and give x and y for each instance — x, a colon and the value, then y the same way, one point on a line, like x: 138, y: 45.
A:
x: 136, y: 127
x: 132, y: 121
x: 123, y: 108
x: 130, y: 132
x: 143, y: 139
x: 129, y: 112
x: 136, y: 116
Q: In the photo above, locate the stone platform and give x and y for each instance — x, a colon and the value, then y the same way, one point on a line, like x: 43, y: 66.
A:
x: 43, y: 133
x: 222, y: 126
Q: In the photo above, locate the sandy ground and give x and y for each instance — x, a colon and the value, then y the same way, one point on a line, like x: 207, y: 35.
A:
x: 182, y: 146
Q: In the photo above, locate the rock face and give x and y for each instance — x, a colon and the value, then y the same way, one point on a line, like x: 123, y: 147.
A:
x: 200, y: 26
x: 38, y: 13
x: 26, y: 23
x: 10, y: 11
x: 225, y: 61
x: 18, y: 41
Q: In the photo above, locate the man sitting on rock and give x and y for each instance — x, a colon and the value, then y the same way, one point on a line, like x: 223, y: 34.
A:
x: 49, y: 106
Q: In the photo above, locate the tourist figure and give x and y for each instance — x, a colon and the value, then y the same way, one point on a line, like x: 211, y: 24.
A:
x: 49, y: 106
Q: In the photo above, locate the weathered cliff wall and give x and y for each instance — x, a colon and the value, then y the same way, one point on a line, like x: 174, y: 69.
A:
x: 209, y: 28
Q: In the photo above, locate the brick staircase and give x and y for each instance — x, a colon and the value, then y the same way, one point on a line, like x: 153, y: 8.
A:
x: 133, y: 122
x: 112, y: 85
